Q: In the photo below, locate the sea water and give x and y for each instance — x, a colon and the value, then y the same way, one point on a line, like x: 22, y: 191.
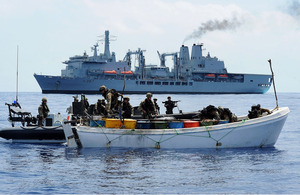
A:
x: 55, y: 169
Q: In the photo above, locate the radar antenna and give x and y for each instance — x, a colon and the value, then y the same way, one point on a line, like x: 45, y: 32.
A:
x: 94, y: 48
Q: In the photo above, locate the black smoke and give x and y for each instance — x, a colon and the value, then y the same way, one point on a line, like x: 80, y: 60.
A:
x: 293, y: 8
x: 213, y: 25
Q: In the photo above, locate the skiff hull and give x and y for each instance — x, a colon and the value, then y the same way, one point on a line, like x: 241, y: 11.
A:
x: 259, y: 132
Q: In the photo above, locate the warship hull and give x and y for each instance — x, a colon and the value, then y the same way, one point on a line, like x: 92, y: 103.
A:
x: 250, y: 84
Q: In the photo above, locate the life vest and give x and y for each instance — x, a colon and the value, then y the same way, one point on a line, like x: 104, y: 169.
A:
x: 148, y: 106
x: 115, y: 94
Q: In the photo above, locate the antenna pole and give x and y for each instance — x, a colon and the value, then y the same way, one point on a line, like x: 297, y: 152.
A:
x: 17, y: 73
x: 121, y: 107
x: 273, y: 83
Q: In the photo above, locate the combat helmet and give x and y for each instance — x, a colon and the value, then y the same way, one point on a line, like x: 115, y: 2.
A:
x: 149, y: 95
x: 126, y: 97
x: 102, y: 88
x: 44, y: 99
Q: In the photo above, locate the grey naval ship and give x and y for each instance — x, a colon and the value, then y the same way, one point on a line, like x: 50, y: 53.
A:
x: 190, y: 74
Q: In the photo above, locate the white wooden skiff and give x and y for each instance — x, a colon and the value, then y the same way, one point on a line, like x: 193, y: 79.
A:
x: 258, y: 132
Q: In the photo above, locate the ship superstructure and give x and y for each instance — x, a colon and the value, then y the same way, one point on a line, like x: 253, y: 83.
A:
x: 193, y: 74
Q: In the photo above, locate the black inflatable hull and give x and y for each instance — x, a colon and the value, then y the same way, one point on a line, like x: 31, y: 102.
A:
x: 34, y: 134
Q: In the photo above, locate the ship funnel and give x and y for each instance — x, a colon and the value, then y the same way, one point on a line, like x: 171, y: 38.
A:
x: 196, y: 52
x: 106, y: 46
x: 184, y: 61
x: 196, y: 57
x: 184, y: 56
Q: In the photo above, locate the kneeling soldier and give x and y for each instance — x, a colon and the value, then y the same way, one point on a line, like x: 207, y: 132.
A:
x: 127, y: 109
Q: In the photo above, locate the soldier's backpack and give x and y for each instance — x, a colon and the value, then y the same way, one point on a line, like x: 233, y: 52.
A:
x: 114, y: 92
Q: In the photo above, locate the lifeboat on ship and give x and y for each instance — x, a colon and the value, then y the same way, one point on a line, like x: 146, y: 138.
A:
x: 223, y: 76
x: 211, y: 76
x: 110, y: 72
x: 127, y: 72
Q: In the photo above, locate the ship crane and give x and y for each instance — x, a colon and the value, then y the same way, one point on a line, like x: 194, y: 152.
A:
x: 141, y: 60
x: 162, y: 58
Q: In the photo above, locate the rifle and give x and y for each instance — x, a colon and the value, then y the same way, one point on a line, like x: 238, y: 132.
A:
x: 171, y: 101
x: 148, y: 112
x: 180, y: 111
x: 175, y: 104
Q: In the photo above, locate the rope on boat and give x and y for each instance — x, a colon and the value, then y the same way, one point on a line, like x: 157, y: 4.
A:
x: 105, y: 136
x: 99, y: 125
x: 218, y: 143
x: 209, y: 135
x: 161, y: 135
x: 29, y: 128
x: 160, y: 141
x: 150, y: 138
x: 243, y: 121
x: 126, y: 133
x: 52, y: 128
x: 157, y: 143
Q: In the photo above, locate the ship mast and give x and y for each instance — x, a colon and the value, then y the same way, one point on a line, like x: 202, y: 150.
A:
x: 106, y: 46
x: 17, y: 80
x: 95, y: 49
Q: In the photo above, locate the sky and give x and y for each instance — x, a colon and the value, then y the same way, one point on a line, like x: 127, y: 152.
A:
x: 243, y: 34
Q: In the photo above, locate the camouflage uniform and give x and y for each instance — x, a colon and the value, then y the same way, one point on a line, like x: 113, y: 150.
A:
x: 169, y: 106
x: 43, y: 111
x: 147, y: 107
x: 127, y: 109
x: 111, y: 97
x: 156, y: 105
x: 210, y: 112
x: 100, y: 107
x: 257, y: 111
